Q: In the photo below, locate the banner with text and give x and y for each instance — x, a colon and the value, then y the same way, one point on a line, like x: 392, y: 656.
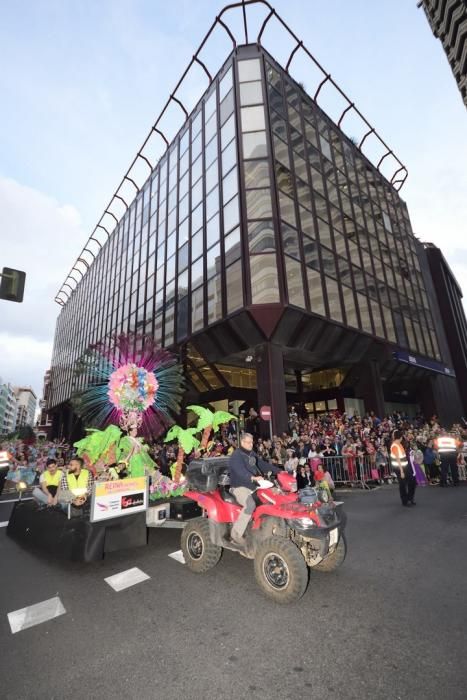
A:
x: 113, y: 499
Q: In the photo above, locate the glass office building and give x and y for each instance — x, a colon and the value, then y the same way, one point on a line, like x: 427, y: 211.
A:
x: 273, y: 257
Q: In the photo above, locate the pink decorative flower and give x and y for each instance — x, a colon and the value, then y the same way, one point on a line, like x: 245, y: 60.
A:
x: 132, y: 388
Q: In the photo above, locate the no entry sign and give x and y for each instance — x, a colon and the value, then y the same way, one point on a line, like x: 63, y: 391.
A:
x: 265, y: 412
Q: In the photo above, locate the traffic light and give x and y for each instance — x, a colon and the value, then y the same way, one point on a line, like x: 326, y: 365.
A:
x: 12, y: 284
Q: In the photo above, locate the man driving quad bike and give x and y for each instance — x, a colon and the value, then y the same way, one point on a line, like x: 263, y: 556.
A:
x: 246, y: 471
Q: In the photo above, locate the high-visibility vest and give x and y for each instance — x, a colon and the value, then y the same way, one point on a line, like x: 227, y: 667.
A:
x: 80, y: 482
x: 446, y: 445
x: 51, y: 479
x: 397, y: 451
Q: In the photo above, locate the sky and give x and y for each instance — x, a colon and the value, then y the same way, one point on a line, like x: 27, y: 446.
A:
x: 83, y: 82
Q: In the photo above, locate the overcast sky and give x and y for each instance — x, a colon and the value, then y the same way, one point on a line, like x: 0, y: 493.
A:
x: 82, y: 82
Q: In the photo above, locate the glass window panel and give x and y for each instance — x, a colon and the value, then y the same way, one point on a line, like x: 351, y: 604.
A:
x: 197, y: 169
x: 210, y: 152
x: 275, y: 100
x: 183, y: 186
x: 197, y: 193
x: 227, y: 107
x: 290, y: 241
x: 258, y: 204
x: 249, y: 70
x: 213, y: 261
x: 261, y: 237
x: 272, y: 75
x: 184, y: 140
x: 304, y: 193
x: 182, y: 318
x: 211, y: 128
x: 171, y: 245
x: 287, y: 209
x: 229, y: 157
x: 300, y: 167
x: 324, y: 233
x: 197, y: 218
x: 210, y: 104
x: 212, y: 203
x: 182, y: 257
x: 212, y: 231
x: 196, y: 125
x: 252, y: 118
x: 294, y: 282
x: 231, y: 215
x: 284, y: 178
x: 197, y: 272
x: 182, y: 283
x: 256, y: 173
x: 225, y: 84
x: 329, y: 262
x: 278, y: 125
x: 228, y: 131
x: 184, y: 163
x: 232, y: 246
x: 197, y: 245
x: 254, y: 145
x: 377, y: 319
x: 364, y: 313
x: 251, y: 93
x: 350, y: 308
x: 307, y: 224
x: 230, y: 185
x: 197, y: 307
x: 212, y: 176
x: 321, y: 206
x: 196, y: 148
x: 233, y: 276
x: 281, y: 151
x: 334, y: 301
x: 311, y: 252
x: 214, y: 288
x: 264, y: 279
x: 315, y: 291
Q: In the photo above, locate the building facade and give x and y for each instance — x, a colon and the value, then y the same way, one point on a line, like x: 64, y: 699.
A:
x: 449, y: 297
x: 26, y: 406
x: 274, y: 258
x: 8, y: 408
x: 448, y: 21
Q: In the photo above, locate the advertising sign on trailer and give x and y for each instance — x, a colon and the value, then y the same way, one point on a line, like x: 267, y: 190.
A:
x: 113, y: 499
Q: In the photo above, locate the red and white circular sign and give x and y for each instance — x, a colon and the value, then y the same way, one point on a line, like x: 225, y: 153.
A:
x: 265, y: 412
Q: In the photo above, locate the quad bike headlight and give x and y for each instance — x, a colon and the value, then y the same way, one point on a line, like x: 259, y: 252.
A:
x: 301, y: 523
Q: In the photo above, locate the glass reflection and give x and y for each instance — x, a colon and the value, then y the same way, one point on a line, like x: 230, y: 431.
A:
x: 261, y: 237
x: 294, y: 282
x: 264, y: 279
x: 258, y: 204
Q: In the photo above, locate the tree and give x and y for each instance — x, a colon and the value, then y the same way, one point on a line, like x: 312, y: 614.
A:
x: 186, y: 443
x: 208, y: 421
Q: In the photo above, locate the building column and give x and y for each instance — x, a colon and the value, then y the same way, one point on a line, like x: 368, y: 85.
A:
x: 270, y: 380
x: 370, y: 388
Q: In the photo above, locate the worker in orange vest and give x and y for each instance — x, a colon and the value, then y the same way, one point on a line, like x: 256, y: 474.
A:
x: 403, y: 470
x: 447, y: 447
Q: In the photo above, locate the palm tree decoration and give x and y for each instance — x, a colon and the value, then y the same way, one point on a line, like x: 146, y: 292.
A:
x: 186, y: 443
x: 208, y: 421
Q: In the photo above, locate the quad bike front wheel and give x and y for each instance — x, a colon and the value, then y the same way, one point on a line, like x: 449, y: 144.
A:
x: 200, y: 553
x: 334, y: 560
x: 280, y: 570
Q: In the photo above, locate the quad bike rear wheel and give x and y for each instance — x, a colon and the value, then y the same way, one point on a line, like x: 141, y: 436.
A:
x: 200, y: 553
x: 334, y: 560
x: 280, y: 570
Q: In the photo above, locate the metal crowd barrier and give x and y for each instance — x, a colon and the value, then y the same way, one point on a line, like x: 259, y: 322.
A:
x: 357, y: 471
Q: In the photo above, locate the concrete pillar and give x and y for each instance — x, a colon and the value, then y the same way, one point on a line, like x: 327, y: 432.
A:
x: 271, y: 387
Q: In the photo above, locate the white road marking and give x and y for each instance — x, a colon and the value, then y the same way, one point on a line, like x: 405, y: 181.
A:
x: 4, y: 524
x: 35, y: 614
x: 178, y: 556
x: 127, y: 578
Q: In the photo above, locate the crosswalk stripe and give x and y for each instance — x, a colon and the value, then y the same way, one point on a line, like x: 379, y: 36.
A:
x: 127, y: 578
x: 35, y: 614
x: 178, y: 556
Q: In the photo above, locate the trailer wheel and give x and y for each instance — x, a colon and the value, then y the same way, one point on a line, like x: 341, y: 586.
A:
x: 200, y: 553
x: 280, y: 570
x: 334, y: 560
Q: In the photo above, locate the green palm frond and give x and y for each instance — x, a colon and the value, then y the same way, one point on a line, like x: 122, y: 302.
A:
x: 221, y: 417
x: 205, y: 416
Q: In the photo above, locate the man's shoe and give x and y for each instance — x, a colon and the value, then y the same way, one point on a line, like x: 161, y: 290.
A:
x: 405, y: 504
x: 412, y: 503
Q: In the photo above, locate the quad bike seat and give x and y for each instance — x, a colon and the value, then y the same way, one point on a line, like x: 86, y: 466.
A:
x: 227, y: 496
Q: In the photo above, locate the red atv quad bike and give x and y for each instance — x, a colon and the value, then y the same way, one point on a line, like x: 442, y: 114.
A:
x: 289, y: 533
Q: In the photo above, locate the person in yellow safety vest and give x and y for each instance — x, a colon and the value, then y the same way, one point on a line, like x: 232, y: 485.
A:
x: 403, y: 470
x: 447, y: 447
x: 46, y: 492
x: 75, y: 484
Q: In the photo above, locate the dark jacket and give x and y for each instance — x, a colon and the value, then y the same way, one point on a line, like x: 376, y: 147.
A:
x: 243, y: 465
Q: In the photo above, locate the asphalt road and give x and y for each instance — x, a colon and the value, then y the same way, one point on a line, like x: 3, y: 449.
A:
x: 389, y: 624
